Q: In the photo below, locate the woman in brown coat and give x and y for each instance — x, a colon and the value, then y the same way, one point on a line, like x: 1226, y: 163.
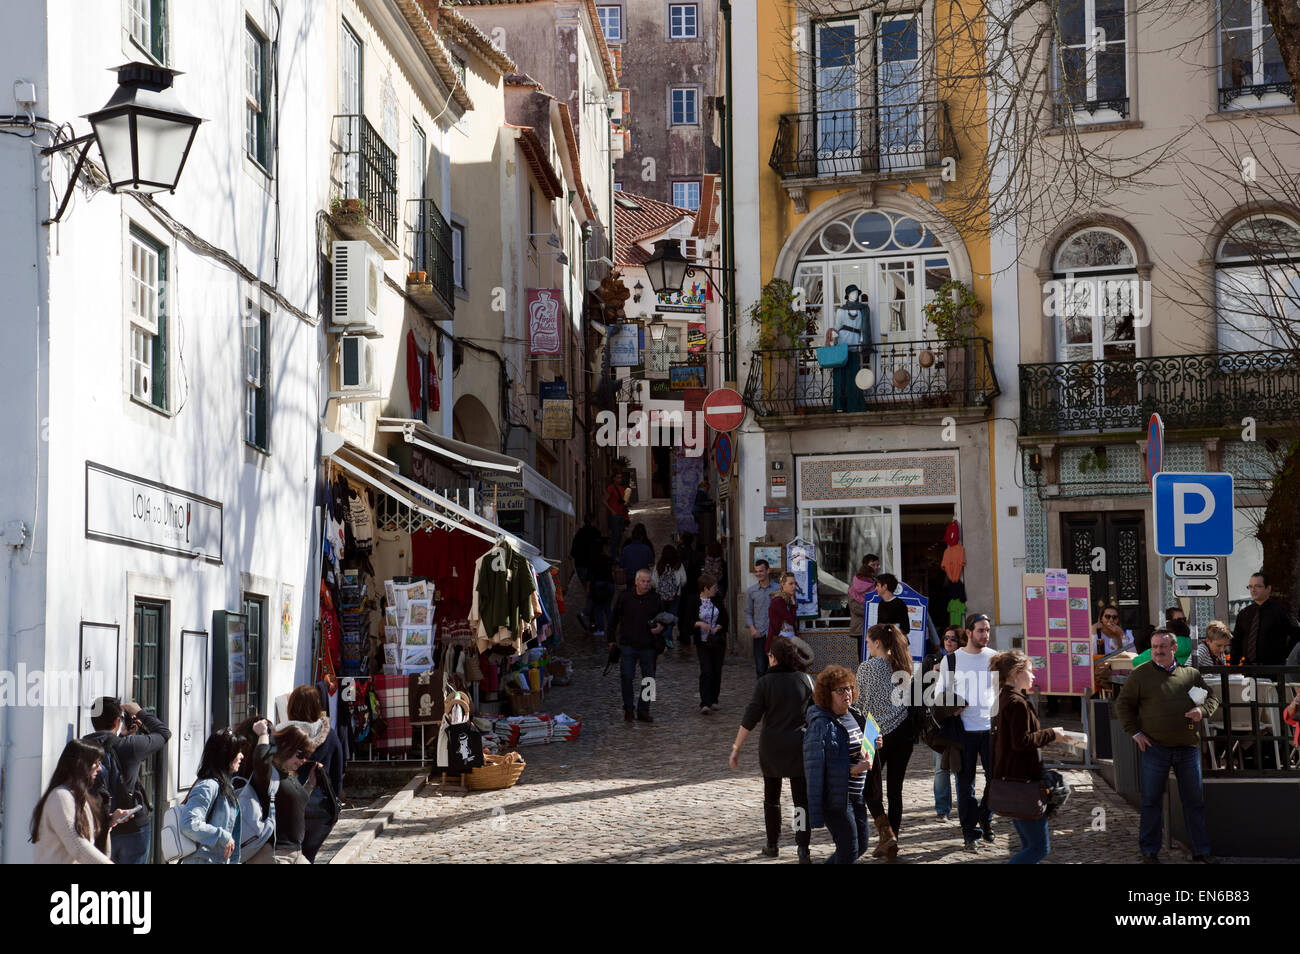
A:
x: 1016, y: 741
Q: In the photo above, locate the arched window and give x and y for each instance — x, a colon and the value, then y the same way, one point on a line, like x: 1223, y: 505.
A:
x: 895, y: 262
x: 1096, y: 296
x: 1257, y: 283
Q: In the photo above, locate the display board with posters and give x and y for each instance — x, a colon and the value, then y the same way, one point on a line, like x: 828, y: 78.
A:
x: 624, y: 345
x: 801, y: 560
x: 918, y: 612
x: 1058, y: 631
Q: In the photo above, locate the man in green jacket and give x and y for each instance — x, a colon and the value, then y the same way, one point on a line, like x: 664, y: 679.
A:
x: 1157, y: 708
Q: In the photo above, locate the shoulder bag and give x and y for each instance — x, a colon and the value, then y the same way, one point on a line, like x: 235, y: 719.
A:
x: 1026, y: 801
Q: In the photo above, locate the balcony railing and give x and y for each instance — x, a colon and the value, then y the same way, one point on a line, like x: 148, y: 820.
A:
x: 369, y: 172
x: 1188, y: 391
x: 431, y: 248
x: 1065, y: 109
x: 868, y: 140
x: 1228, y: 95
x: 908, y: 375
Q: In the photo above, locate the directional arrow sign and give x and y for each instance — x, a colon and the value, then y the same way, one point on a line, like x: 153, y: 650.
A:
x: 1195, y: 566
x: 1196, y: 587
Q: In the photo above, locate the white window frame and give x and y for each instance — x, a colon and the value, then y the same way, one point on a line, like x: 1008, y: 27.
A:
x: 256, y: 328
x: 673, y: 25
x: 602, y: 10
x: 1259, y: 22
x: 147, y: 310
x: 686, y: 183
x: 138, y: 27
x: 256, y: 101
x: 458, y: 255
x: 691, y: 116
x: 1090, y: 32
x: 1260, y: 279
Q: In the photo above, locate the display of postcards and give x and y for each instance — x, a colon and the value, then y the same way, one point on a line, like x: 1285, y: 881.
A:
x: 418, y: 612
x: 1056, y: 649
x: 1078, y: 660
x: 391, y: 654
x: 390, y: 592
x: 415, y: 636
x: 418, y: 590
x: 1078, y: 603
x: 392, y: 634
x: 416, y: 658
x: 1079, y: 646
x: 399, y: 604
x: 1058, y: 622
x: 1040, y: 662
x: 390, y: 617
x: 1033, y: 592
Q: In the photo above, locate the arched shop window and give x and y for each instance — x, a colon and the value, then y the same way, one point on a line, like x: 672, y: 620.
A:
x: 1096, y: 296
x: 1257, y: 283
x: 894, y: 260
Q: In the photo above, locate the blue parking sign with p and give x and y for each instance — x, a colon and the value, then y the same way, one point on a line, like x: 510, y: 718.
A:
x: 1193, y: 514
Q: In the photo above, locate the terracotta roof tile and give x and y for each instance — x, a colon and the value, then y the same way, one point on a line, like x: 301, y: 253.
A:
x: 631, y: 225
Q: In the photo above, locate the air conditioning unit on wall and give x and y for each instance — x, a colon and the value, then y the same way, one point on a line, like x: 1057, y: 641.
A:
x: 356, y: 365
x: 357, y: 274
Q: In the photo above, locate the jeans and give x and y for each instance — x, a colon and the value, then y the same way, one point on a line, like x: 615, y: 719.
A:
x: 975, y: 816
x: 760, y: 655
x: 1035, y: 842
x: 131, y: 848
x: 616, y: 524
x: 627, y: 668
x: 942, y: 786
x: 843, y: 829
x: 895, y: 752
x: 1186, y: 763
x: 772, y: 810
x: 711, y: 656
x: 858, y: 809
x: 600, y: 616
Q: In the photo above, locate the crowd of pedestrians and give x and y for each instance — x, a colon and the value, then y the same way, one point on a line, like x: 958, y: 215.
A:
x: 262, y: 794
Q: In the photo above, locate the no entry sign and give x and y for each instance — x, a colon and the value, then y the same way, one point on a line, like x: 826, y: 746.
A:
x: 724, y: 410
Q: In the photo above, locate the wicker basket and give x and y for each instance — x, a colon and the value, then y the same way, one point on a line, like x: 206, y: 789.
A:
x: 524, y: 703
x: 498, y: 771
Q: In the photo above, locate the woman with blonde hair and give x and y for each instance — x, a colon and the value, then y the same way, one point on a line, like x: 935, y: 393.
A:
x: 1016, y: 742
x: 888, y: 665
x: 781, y: 620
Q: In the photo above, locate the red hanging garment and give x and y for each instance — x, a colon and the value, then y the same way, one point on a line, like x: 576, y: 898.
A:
x: 435, y: 397
x: 413, y: 373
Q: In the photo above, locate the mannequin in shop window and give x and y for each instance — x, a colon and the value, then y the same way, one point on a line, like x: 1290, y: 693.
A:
x: 852, y: 327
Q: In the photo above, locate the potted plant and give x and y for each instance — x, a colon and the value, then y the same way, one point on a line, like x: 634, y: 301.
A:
x: 953, y: 313
x: 417, y: 278
x: 347, y: 208
x: 781, y: 321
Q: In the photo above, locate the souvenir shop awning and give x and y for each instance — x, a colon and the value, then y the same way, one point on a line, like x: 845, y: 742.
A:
x: 472, y: 459
x: 363, y: 466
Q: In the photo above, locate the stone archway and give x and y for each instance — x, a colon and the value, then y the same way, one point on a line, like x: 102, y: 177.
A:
x: 473, y: 424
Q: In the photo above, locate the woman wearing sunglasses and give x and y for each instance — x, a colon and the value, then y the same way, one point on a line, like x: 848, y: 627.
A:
x: 835, y: 765
x: 292, y: 751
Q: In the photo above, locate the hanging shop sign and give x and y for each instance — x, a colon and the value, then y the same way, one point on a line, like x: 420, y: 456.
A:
x: 686, y: 375
x: 694, y: 293
x: 697, y: 339
x: 137, y: 512
x: 557, y: 420
x: 545, y: 328
x: 624, y: 346
x: 661, y: 390
x: 506, y: 495
x: 549, y: 390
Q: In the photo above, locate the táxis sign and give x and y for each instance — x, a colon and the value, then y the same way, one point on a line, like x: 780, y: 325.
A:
x: 137, y: 512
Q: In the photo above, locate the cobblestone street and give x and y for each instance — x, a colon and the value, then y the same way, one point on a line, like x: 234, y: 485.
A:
x: 663, y: 791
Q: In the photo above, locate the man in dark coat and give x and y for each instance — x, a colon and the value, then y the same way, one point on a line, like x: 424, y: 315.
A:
x: 1265, y: 631
x: 632, y: 626
x: 134, y: 736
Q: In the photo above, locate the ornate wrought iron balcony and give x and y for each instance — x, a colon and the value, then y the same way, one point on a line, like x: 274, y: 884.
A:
x: 368, y: 171
x: 1228, y: 95
x: 908, y: 375
x: 877, y: 141
x: 1188, y: 390
x: 431, y: 250
x: 1065, y: 108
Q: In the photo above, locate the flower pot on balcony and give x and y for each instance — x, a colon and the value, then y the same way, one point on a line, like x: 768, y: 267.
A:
x: 959, y: 366
x: 417, y: 278
x: 353, y: 205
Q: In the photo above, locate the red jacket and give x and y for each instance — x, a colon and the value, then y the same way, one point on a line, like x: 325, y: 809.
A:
x: 779, y: 612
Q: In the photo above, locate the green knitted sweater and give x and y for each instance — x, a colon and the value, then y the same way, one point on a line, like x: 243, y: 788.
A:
x: 1154, y: 701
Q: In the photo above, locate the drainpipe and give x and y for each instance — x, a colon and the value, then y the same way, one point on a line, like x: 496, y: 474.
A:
x: 13, y: 535
x: 729, y: 209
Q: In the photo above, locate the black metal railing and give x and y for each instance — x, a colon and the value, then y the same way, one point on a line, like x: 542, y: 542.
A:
x: 1065, y: 109
x: 1229, y: 94
x: 431, y: 248
x: 868, y: 140
x: 1248, y: 736
x: 912, y: 374
x: 369, y: 172
x: 1188, y: 390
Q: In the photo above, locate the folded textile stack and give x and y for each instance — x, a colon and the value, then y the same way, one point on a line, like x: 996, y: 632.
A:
x: 565, y: 728
x: 515, y: 731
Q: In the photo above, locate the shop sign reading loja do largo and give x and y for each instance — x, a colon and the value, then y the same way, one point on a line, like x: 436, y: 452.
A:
x: 137, y: 512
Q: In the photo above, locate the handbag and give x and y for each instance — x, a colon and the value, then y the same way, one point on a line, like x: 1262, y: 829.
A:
x: 1026, y: 801
x: 833, y: 356
x: 460, y: 743
x: 174, y: 844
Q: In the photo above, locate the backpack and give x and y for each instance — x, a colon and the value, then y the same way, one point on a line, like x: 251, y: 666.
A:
x: 939, y: 725
x: 174, y: 844
x: 110, y: 784
x: 668, y: 587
